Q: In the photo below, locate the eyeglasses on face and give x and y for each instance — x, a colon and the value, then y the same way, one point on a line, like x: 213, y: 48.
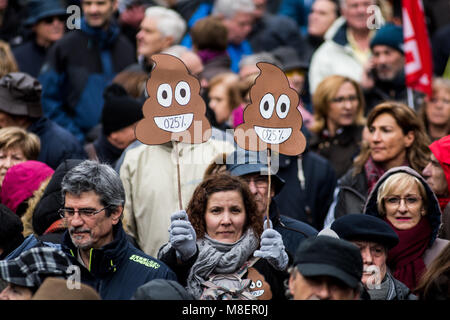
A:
x: 259, y: 181
x: 49, y: 20
x: 410, y: 201
x: 84, y: 212
x: 342, y: 99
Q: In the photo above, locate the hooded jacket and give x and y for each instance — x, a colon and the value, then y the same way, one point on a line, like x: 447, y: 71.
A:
x: 441, y: 150
x: 117, y: 269
x: 436, y: 245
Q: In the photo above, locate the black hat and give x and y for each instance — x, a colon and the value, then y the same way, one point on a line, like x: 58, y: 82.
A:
x: 289, y: 59
x: 33, y: 266
x: 365, y: 228
x: 11, y: 229
x: 162, y: 289
x: 39, y: 9
x: 242, y: 162
x: 20, y: 94
x: 119, y: 110
x: 328, y: 256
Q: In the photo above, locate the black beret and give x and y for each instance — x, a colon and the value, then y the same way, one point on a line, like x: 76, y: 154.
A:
x: 365, y: 228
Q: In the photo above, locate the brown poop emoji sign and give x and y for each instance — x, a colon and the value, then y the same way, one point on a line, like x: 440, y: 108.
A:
x: 271, y: 120
x: 174, y: 111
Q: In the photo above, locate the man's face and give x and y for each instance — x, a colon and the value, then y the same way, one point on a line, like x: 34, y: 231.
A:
x: 387, y: 62
x: 98, y: 13
x: 122, y: 138
x: 90, y: 231
x: 150, y: 40
x: 356, y: 14
x: 323, y: 14
x: 319, y: 288
x: 435, y: 177
x: 374, y: 257
x: 239, y: 26
x: 49, y: 30
x: 259, y: 185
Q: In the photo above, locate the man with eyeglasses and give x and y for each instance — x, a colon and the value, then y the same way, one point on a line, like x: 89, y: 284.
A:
x: 46, y: 20
x: 374, y: 237
x: 95, y: 241
x: 248, y: 165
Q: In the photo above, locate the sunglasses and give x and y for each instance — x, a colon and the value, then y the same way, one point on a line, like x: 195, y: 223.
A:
x: 49, y: 20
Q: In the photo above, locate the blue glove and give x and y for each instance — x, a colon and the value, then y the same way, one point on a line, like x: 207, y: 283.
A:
x: 182, y: 235
x: 272, y: 248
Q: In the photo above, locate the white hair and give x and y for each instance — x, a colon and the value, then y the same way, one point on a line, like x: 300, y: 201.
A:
x: 229, y: 8
x: 169, y: 22
x: 176, y: 50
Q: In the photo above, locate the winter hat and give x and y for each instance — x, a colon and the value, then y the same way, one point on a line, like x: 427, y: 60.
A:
x: 161, y: 289
x: 289, y: 59
x: 46, y: 211
x: 21, y: 181
x: 56, y: 289
x: 365, y: 228
x: 119, y: 110
x: 33, y: 266
x: 11, y: 229
x: 20, y: 94
x: 389, y: 35
x: 38, y: 10
x: 441, y: 150
x: 328, y: 256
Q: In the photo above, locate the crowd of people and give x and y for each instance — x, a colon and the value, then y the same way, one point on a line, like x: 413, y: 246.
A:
x: 362, y: 214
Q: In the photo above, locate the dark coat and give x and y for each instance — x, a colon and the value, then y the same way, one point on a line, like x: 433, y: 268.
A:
x: 117, y: 269
x: 57, y: 144
x: 308, y: 202
x: 30, y: 57
x: 341, y: 149
x: 353, y: 190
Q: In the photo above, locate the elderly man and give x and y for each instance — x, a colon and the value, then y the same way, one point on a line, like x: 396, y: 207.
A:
x: 384, y: 74
x: 437, y: 174
x: 326, y: 268
x: 247, y: 165
x: 96, y: 241
x: 346, y: 48
x: 374, y: 237
x: 81, y: 64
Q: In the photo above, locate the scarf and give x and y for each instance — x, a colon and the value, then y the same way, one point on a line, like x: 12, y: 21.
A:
x: 219, y: 258
x: 104, y: 38
x: 406, y: 257
x: 207, y: 55
x: 443, y: 202
x: 373, y: 173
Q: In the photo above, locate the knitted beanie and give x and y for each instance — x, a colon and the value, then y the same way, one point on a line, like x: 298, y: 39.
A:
x: 389, y: 35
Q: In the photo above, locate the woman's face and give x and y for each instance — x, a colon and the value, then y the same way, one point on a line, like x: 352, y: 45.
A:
x: 438, y: 108
x: 218, y: 102
x: 9, y: 158
x: 225, y: 216
x: 404, y: 209
x: 343, y: 107
x: 387, y: 142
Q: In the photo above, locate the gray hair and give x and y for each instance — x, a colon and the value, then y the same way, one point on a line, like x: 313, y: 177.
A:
x: 169, y: 22
x: 263, y: 56
x: 93, y: 176
x: 229, y: 8
x: 176, y: 50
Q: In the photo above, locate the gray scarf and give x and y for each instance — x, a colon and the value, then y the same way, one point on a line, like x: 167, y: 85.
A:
x: 216, y: 257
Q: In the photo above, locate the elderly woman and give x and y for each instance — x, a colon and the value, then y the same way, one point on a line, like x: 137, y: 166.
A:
x: 395, y: 137
x: 406, y: 202
x: 338, y: 121
x: 435, y: 113
x: 16, y: 146
x: 228, y: 229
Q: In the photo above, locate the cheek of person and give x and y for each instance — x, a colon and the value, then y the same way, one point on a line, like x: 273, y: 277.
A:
x: 122, y: 138
x: 225, y: 216
x: 374, y: 262
x: 15, y: 292
x: 407, y: 213
x: 9, y: 158
x: 435, y: 177
x: 343, y: 107
x: 438, y: 108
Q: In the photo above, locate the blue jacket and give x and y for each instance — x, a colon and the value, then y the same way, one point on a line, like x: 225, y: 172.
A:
x: 57, y: 144
x: 77, y: 69
x: 117, y: 269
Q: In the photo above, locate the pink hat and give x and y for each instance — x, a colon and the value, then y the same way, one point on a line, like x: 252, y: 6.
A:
x: 21, y: 181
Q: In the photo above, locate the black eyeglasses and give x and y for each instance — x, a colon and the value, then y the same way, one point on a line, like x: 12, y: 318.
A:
x: 49, y: 20
x: 342, y: 99
x: 70, y: 212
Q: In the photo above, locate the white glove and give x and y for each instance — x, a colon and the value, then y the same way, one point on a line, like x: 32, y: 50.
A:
x: 182, y: 235
x: 272, y: 248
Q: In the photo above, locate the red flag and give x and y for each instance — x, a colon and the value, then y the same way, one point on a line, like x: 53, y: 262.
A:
x: 418, y: 59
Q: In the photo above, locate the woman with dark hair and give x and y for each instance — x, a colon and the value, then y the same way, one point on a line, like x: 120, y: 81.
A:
x: 395, y: 137
x: 220, y: 234
x: 338, y: 121
x: 403, y: 199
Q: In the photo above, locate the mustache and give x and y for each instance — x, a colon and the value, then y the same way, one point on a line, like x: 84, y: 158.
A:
x: 78, y: 230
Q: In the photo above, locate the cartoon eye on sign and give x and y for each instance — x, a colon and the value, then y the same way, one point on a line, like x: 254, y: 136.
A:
x: 174, y: 107
x: 272, y: 118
